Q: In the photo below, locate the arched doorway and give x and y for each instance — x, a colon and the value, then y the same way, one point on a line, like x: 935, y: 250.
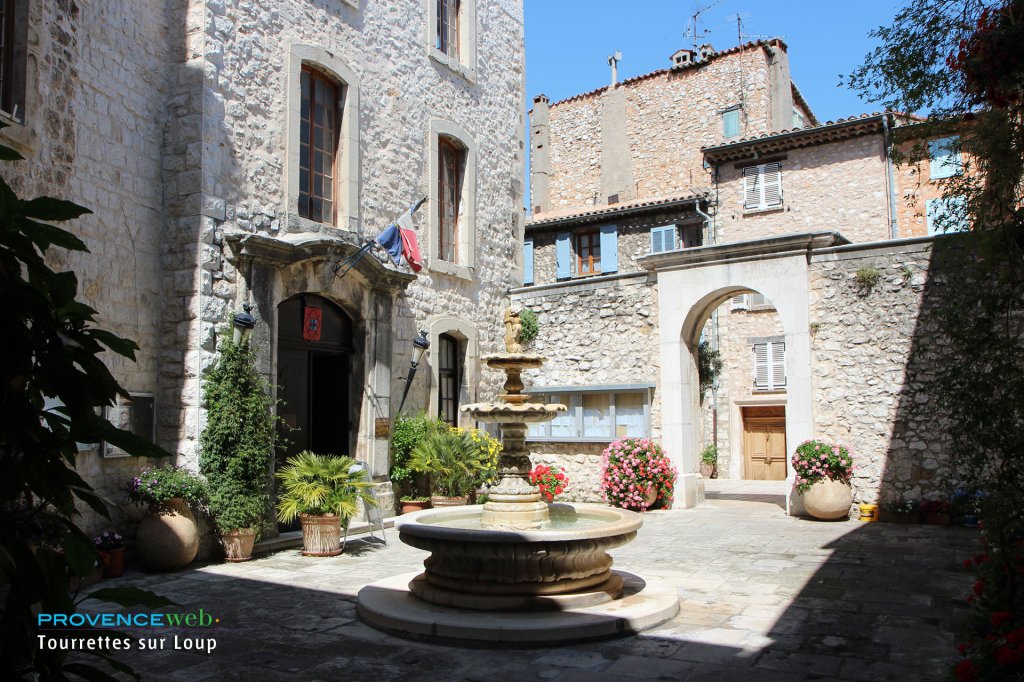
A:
x: 314, y: 364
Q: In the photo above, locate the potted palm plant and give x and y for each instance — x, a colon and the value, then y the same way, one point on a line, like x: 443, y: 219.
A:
x: 236, y: 448
x: 452, y: 461
x: 320, y: 491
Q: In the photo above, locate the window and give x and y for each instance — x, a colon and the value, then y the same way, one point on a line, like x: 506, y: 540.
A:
x: 450, y: 165
x: 448, y: 27
x: 596, y: 416
x: 13, y: 53
x: 318, y: 146
x: 588, y: 253
x: 730, y: 123
x: 798, y: 119
x: 135, y: 414
x: 528, y: 261
x: 769, y: 366
x: 944, y: 157
x: 693, y: 235
x: 754, y: 301
x: 946, y: 215
x: 449, y: 379
x: 762, y: 186
x: 663, y: 238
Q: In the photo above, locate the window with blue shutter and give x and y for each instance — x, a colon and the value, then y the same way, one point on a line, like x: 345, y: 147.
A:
x: 563, y: 256
x: 944, y: 154
x: 946, y: 215
x: 609, y: 249
x: 663, y: 238
x: 528, y: 261
x: 731, y: 123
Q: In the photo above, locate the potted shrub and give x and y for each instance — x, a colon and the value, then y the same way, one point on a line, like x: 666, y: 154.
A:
x: 452, y: 462
x: 636, y: 474
x: 485, y: 458
x: 709, y: 460
x: 550, y: 481
x: 406, y: 435
x: 823, y: 472
x: 236, y: 448
x: 320, y: 491
x: 110, y: 545
x: 904, y: 511
x: 167, y: 538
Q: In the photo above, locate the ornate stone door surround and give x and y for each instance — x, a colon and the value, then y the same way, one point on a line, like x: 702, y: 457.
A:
x: 691, y: 284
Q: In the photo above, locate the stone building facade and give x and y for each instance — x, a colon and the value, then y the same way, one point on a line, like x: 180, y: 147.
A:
x: 659, y: 174
x: 183, y: 126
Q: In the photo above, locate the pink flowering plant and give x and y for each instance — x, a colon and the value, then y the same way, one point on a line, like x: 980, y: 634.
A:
x: 549, y: 481
x: 634, y: 468
x: 816, y: 460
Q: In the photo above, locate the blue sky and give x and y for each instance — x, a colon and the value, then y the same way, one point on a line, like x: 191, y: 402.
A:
x: 568, y: 41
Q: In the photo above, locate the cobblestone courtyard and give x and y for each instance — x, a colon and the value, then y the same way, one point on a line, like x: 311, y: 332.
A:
x: 763, y: 596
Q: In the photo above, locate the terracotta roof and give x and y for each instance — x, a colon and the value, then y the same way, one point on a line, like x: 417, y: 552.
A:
x: 830, y: 131
x: 694, y: 65
x: 597, y: 213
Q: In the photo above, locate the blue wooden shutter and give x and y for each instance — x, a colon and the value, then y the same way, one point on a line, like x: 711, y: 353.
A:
x: 528, y: 261
x: 609, y: 249
x: 945, y: 157
x: 731, y: 123
x: 563, y: 255
x: 946, y: 215
x: 663, y: 238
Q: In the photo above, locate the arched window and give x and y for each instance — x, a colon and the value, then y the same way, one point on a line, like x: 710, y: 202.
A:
x: 449, y: 373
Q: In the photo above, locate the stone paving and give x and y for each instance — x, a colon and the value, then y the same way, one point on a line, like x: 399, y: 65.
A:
x: 763, y: 597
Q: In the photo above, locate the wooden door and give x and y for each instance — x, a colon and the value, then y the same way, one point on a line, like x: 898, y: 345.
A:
x: 764, y: 447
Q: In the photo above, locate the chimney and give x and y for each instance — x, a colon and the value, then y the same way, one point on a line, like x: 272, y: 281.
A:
x: 681, y: 58
x: 706, y: 51
x: 613, y: 62
x: 540, y: 156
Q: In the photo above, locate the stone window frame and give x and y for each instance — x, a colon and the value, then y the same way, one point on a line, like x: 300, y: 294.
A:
x: 467, y: 336
x: 20, y: 133
x: 347, y: 162
x: 575, y: 394
x: 465, y: 262
x: 465, y: 63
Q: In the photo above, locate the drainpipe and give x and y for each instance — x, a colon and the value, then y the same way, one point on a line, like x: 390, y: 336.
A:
x: 890, y: 177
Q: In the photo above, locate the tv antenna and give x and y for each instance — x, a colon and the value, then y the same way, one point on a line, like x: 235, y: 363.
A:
x: 693, y: 30
x: 743, y: 37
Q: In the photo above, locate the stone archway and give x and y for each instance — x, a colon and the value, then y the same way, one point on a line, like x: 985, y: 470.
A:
x: 691, y: 284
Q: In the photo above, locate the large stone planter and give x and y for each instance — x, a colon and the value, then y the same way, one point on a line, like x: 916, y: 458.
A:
x: 321, y: 534
x: 168, y: 539
x: 238, y: 544
x: 829, y: 500
x: 437, y: 501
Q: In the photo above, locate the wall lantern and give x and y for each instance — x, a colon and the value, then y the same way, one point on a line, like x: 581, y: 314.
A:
x: 244, y: 322
x: 420, y: 345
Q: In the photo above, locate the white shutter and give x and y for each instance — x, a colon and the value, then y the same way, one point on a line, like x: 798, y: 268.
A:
x: 772, y: 184
x: 762, y: 375
x: 738, y: 302
x: 752, y: 180
x: 778, y: 364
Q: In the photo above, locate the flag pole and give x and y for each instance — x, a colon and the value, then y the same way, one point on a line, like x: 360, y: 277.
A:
x: 342, y: 267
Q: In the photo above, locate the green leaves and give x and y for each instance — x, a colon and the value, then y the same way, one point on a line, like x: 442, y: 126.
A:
x: 48, y: 208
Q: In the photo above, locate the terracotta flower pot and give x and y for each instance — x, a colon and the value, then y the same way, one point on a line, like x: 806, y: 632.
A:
x: 829, y: 500
x: 238, y: 544
x: 321, y: 534
x: 707, y: 470
x: 113, y: 562
x: 168, y: 539
x: 436, y: 501
x: 410, y: 506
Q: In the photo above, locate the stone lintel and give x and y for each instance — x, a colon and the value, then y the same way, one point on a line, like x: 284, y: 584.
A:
x: 758, y: 249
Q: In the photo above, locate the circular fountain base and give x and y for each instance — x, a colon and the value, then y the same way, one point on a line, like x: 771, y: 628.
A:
x: 601, y: 593
x: 389, y: 605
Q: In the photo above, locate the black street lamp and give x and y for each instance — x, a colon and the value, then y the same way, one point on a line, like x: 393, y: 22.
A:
x: 420, y: 345
x: 243, y: 322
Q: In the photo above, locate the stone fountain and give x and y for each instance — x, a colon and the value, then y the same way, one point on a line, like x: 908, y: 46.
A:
x: 517, y: 568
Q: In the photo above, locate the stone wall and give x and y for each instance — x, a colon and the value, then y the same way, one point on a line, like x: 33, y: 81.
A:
x: 593, y: 334
x: 875, y: 350
x: 670, y: 115
x: 839, y: 186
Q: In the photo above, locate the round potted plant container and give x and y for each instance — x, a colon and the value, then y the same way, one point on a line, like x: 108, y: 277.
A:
x: 637, y: 475
x: 167, y: 538
x: 320, y: 491
x: 110, y: 545
x: 709, y: 461
x: 414, y: 504
x: 823, y: 472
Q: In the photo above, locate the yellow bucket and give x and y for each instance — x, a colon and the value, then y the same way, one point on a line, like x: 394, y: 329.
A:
x: 869, y: 513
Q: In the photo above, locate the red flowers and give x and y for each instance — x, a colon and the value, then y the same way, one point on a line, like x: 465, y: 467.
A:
x: 549, y: 482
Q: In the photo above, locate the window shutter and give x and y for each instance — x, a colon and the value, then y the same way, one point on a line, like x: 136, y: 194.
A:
x: 772, y: 183
x: 609, y: 249
x: 761, y: 365
x: 662, y: 238
x: 731, y: 123
x: 778, y: 364
x: 933, y: 209
x: 946, y: 215
x: 563, y: 255
x: 945, y: 157
x: 739, y: 302
x: 528, y: 261
x: 752, y: 180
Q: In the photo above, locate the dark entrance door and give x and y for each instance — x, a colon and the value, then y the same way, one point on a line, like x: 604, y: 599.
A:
x: 313, y: 367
